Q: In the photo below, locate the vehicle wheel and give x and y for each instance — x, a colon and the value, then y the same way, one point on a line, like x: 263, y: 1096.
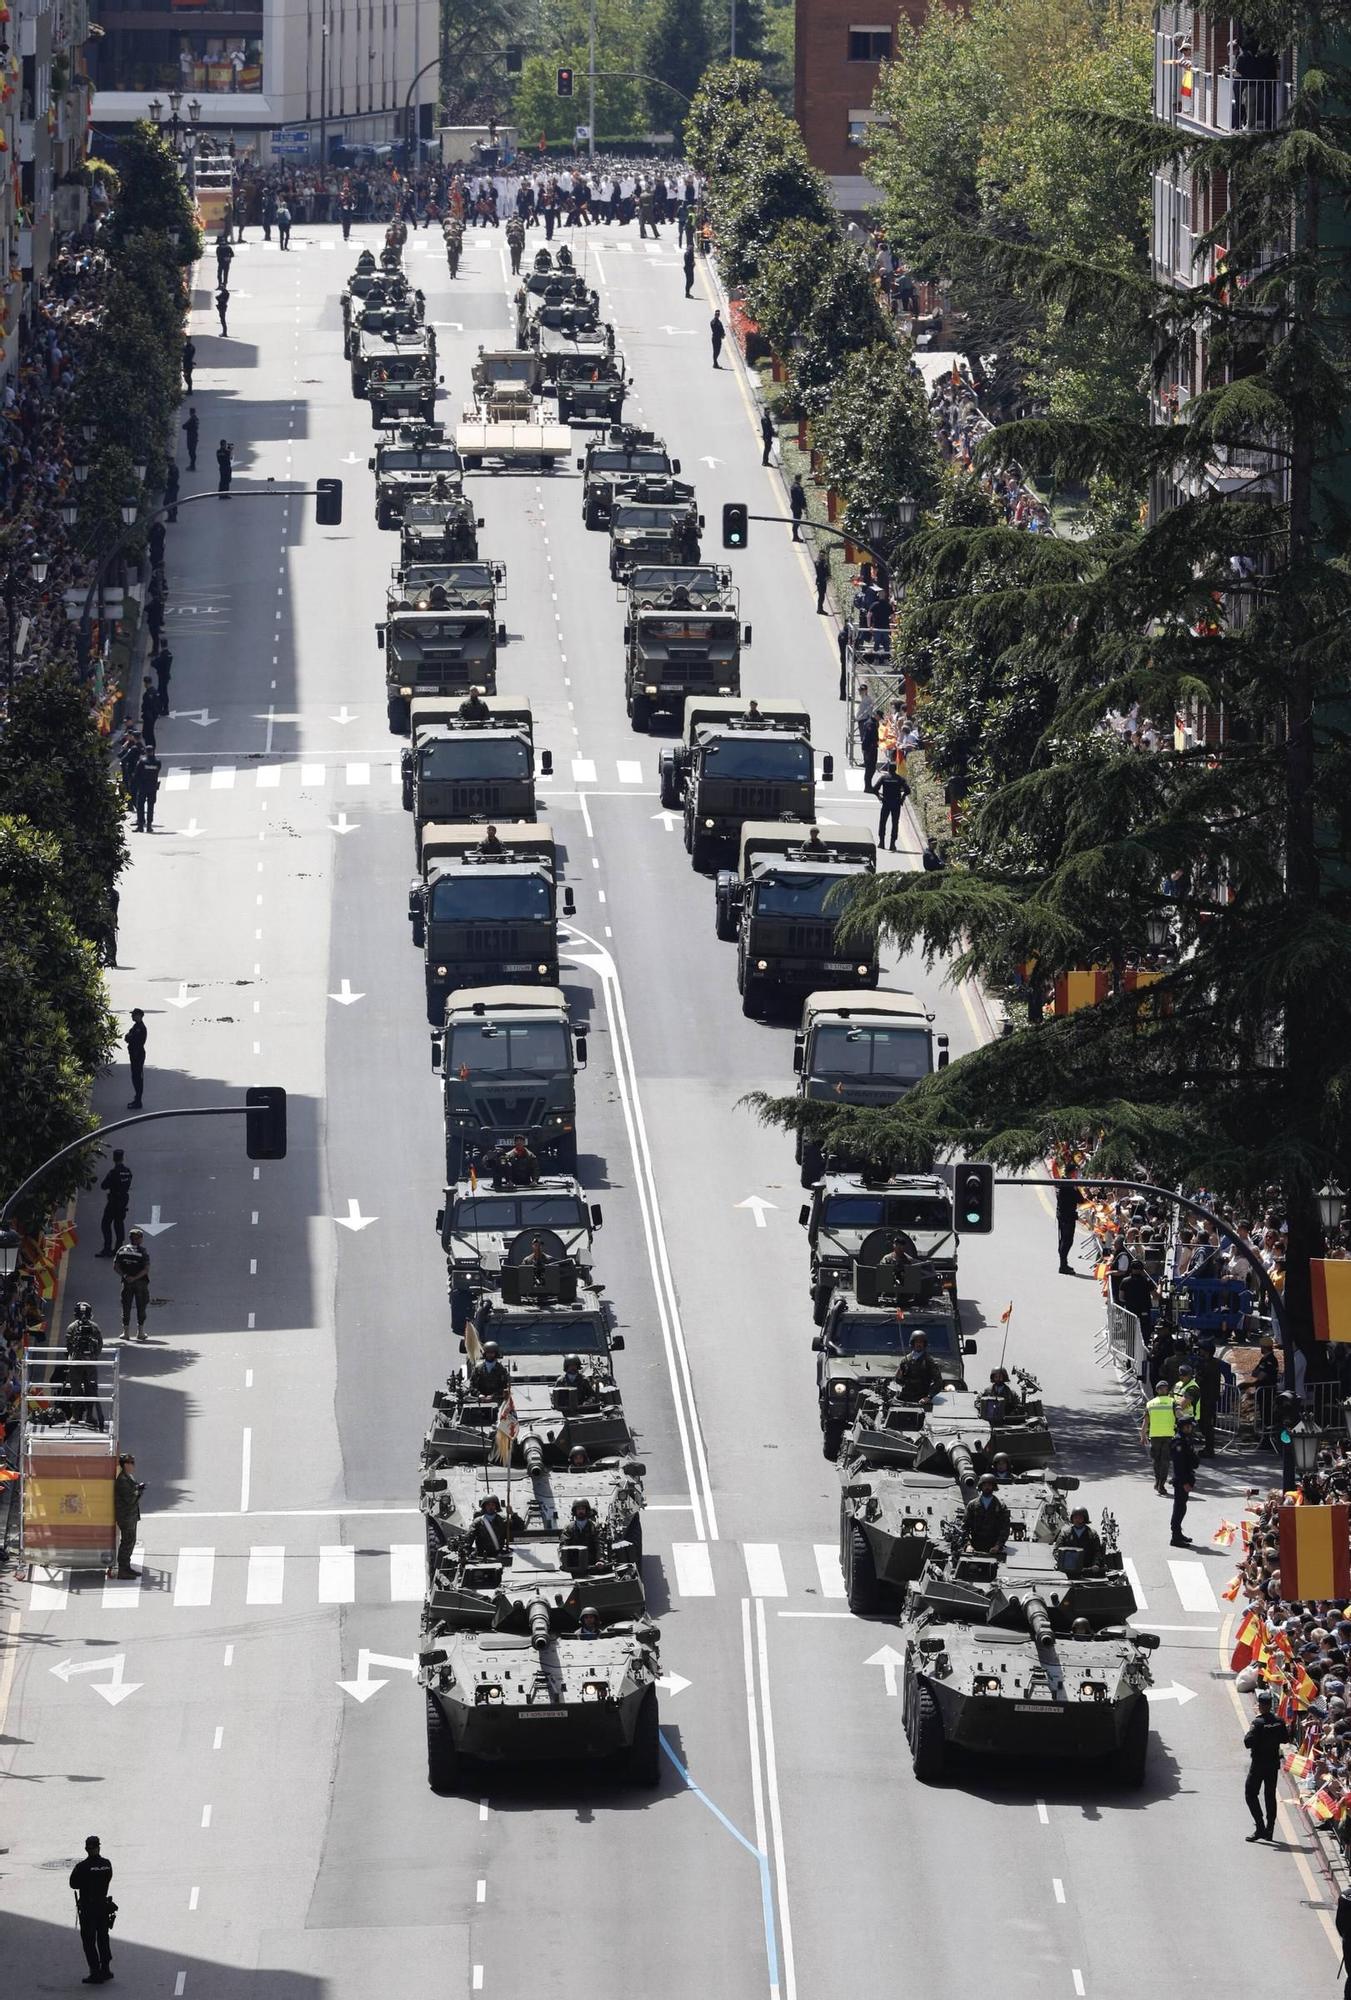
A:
x: 926, y: 1741
x: 406, y: 798
x: 455, y: 1162
x: 670, y: 788
x: 436, y: 1006
x: 832, y: 1437
x: 642, y: 1759
x: 822, y: 1289
x: 398, y: 711
x: 419, y: 930
x: 701, y: 853
x: 565, y: 1153
x: 752, y: 998
x: 383, y: 517
x: 724, y: 922
x: 443, y: 1759
x: 640, y: 714
x: 812, y: 1161
x: 1132, y: 1754
x: 860, y: 1574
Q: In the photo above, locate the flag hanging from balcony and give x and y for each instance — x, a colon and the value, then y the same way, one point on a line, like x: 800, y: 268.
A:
x: 1315, y: 1552
x: 1185, y: 87
x: 1331, y: 1281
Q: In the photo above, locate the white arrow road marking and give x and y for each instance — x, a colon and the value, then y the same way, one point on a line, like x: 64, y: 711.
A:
x: 712, y: 461
x: 343, y: 716
x: 673, y: 1683
x: 203, y: 717
x: 345, y: 999
x: 113, y: 1691
x: 344, y: 825
x: 668, y: 820
x: 354, y: 1219
x: 182, y: 998
x: 155, y: 1227
x: 352, y: 458
x: 363, y: 1687
x: 676, y: 329
x: 888, y: 1659
x: 1173, y: 1692
x: 191, y: 828
x: 757, y: 1205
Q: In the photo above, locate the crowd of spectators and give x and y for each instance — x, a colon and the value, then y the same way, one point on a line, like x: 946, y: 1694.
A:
x: 959, y: 424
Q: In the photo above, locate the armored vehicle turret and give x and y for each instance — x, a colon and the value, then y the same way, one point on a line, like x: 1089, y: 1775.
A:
x: 893, y: 1522
x: 453, y: 1492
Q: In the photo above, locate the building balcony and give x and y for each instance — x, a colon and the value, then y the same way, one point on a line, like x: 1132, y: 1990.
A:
x: 1251, y: 104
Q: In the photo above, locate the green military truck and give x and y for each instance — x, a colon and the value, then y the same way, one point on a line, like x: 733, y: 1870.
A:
x: 408, y: 465
x: 589, y: 381
x: 658, y: 522
x: 860, y: 1049
x: 615, y: 464
x: 439, y: 526
x: 682, y: 636
x: 739, y: 760
x: 846, y: 1209
x: 402, y: 356
x: 509, y: 1058
x: 440, y: 637
x: 781, y: 908
x: 460, y: 768
x: 484, y: 908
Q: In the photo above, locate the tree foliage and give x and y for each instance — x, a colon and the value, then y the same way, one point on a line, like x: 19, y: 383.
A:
x: 675, y: 50
x: 54, y: 772
x: 152, y: 196
x: 874, y: 435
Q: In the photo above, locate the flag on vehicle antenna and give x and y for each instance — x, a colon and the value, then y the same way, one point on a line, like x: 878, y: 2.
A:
x: 507, y: 1428
x: 473, y: 1346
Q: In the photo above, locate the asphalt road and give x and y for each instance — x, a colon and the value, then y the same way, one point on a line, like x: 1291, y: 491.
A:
x: 271, y: 1831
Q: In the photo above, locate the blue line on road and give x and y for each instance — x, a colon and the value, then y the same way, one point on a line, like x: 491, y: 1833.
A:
x: 761, y: 1859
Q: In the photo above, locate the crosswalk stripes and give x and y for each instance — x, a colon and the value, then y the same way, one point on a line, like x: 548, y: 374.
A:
x: 853, y: 780
x: 630, y: 771
x: 764, y: 1569
x: 267, y: 1576
x: 1133, y: 1578
x: 583, y: 771
x: 195, y: 1577
x: 124, y: 1593
x: 407, y: 1569
x: 337, y: 1574
x: 1193, y: 1586
x: 828, y: 1569
x: 693, y: 1568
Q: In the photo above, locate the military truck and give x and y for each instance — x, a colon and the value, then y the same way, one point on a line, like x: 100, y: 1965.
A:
x: 894, y: 1521
x: 781, y: 908
x: 464, y: 768
x: 866, y: 1330
x: 657, y: 522
x: 868, y: 1052
x: 615, y: 464
x: 486, y: 917
x: 737, y: 760
x: 406, y: 466
x: 682, y: 638
x: 441, y: 527
x: 369, y: 285
x: 506, y: 383
x: 388, y: 317
x: 401, y: 357
x: 589, y: 381
x: 509, y: 1060
x: 524, y: 1697
x: 845, y: 1209
x: 486, y: 1224
x: 440, y: 640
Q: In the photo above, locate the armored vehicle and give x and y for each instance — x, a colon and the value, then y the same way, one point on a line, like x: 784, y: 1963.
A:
x: 388, y: 317
x: 481, y: 1225
x: 739, y: 760
x: 401, y: 388
x: 782, y: 909
x: 369, y: 285
x: 589, y: 381
x: 866, y: 1330
x: 549, y: 1421
x: 615, y: 464
x: 453, y: 1493
x: 538, y: 1318
x: 406, y: 466
x: 893, y: 1521
x: 441, y: 639
x: 682, y: 637
x: 461, y: 767
x: 465, y: 1593
x: 396, y: 358
x: 568, y: 307
x: 851, y: 1050
x: 845, y: 1209
x: 657, y: 523
x: 486, y: 915
x: 956, y: 1433
x: 509, y: 1062
x: 441, y: 527
x: 998, y: 1668
x: 534, y: 1691
x: 506, y: 382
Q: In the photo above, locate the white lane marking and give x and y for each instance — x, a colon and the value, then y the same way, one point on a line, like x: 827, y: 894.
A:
x: 1133, y: 1578
x: 1078, y: 1981
x: 267, y: 1572
x: 483, y: 1809
x: 313, y: 774
x: 245, y: 1469
x: 764, y: 1569
x: 481, y: 1891
x: 192, y: 1898
x: 1193, y: 1585
x: 229, y: 1659
x: 269, y: 776
x: 693, y: 1568
x: 178, y: 781
x: 629, y: 773
x: 583, y: 771
x: 1042, y: 1813
x: 180, y: 1985
x: 407, y: 1572
x: 358, y: 774
x: 222, y: 777
x: 586, y: 814
x: 337, y: 1574
x: 854, y: 781
x: 1059, y: 1888
x: 49, y: 1591
x: 775, y: 1815
x: 219, y: 1736
x: 196, y: 1572
x: 206, y: 1816
x: 828, y: 1569
x: 124, y: 1593
x: 478, y: 1979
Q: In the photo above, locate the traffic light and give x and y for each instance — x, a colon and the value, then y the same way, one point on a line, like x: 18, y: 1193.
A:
x: 513, y: 62
x: 265, y: 1122
x: 973, y: 1186
x: 735, y: 525
x: 328, y: 503
x: 565, y: 83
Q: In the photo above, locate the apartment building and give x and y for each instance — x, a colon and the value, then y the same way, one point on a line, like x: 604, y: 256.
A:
x: 840, y: 48
x: 43, y: 127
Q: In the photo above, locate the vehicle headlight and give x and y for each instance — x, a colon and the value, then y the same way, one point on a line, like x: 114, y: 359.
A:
x: 650, y: 690
x: 486, y: 1695
x: 913, y: 1526
x: 440, y: 971
x: 762, y: 965
x: 986, y: 1684
x: 839, y: 1388
x: 405, y: 690
x: 541, y: 970
x: 708, y: 822
x: 595, y: 1690
x: 862, y: 971
x: 1092, y: 1691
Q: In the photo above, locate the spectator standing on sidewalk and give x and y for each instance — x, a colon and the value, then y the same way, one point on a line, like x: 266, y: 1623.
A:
x: 116, y: 1185
x: 135, y: 1039
x: 797, y: 503
x: 132, y: 1265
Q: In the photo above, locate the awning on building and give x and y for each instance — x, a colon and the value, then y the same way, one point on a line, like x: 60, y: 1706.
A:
x: 854, y: 194
x: 234, y: 110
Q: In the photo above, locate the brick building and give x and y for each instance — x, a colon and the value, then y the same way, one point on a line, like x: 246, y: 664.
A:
x: 841, y: 45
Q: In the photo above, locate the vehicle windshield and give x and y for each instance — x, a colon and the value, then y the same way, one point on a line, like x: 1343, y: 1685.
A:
x: 544, y: 1333
x: 490, y: 898
x: 881, y: 1055
x: 798, y: 896
x: 893, y: 1211
x: 583, y: 368
x: 508, y: 1213
x: 889, y: 1333
x: 521, y: 370
x: 785, y: 761
x: 510, y: 1048
x: 628, y: 461
x: 486, y: 757
x: 455, y: 636
x: 664, y: 518
x: 441, y: 458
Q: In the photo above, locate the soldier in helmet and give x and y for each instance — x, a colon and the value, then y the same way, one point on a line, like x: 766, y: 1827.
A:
x: 474, y: 708
x: 582, y: 1532
x: 898, y: 1259
x: 489, y: 1540
x: 1078, y: 1535
x: 578, y: 1458
x: 1001, y: 1392
x: 84, y: 1345
x: 579, y: 1388
x: 1001, y: 1465
x: 490, y: 1376
x: 588, y: 1626
x: 918, y: 1376
x: 986, y: 1523
x: 518, y: 1167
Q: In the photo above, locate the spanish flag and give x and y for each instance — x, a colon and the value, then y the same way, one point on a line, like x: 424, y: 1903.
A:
x: 1331, y: 1281
x: 1305, y: 1689
x: 1246, y: 1640
x: 1315, y: 1552
x: 507, y: 1428
x: 1323, y: 1806
x: 1225, y: 1535
x: 1231, y: 1594
x: 1297, y: 1764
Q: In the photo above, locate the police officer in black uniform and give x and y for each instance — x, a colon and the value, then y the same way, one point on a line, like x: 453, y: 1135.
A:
x: 987, y: 1522
x: 116, y: 1185
x: 1078, y: 1535
x: 1264, y: 1743
x: 918, y: 1375
x: 1069, y: 1197
x: 91, y: 1880
x: 490, y: 1376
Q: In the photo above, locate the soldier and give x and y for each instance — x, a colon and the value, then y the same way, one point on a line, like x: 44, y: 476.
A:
x: 578, y: 1458
x: 1002, y: 1467
x: 91, y: 1880
x: 135, y: 1039
x: 116, y: 1185
x: 132, y: 1265
x: 898, y: 1259
x: 918, y: 1376
x: 490, y: 1537
x: 127, y: 1491
x: 1078, y: 1535
x: 588, y: 1625
x: 516, y: 243
x: 579, y: 1387
x: 84, y: 1344
x: 474, y: 708
x: 1000, y: 1392
x: 519, y: 1167
x: 987, y: 1522
x: 191, y: 432
x: 490, y: 1376
x: 582, y: 1532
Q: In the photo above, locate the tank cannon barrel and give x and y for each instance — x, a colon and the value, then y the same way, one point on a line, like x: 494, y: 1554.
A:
x: 538, y: 1614
x: 1039, y: 1621
x: 534, y: 1455
x: 963, y: 1465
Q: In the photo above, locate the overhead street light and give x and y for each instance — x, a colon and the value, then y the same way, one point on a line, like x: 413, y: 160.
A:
x: 1331, y: 1206
x: 9, y: 1252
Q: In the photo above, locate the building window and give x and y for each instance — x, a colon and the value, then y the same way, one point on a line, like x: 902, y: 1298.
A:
x: 869, y: 45
x: 860, y: 126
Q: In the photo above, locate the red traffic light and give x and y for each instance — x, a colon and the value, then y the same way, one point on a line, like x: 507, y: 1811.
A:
x: 565, y: 83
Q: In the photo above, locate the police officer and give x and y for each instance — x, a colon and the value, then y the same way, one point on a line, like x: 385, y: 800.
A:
x: 1182, y: 1466
x: 490, y: 1376
x: 1078, y: 1535
x: 474, y: 708
x: 582, y: 1532
x: 987, y: 1522
x: 1068, y: 1200
x: 489, y: 1540
x: 891, y: 791
x: 689, y: 269
x: 821, y: 573
x: 717, y: 333
x: 127, y: 1491
x: 1264, y: 1743
x: 132, y: 1265
x: 84, y: 1344
x: 116, y: 1185
x: 581, y: 1390
x: 766, y: 423
x: 1158, y: 1428
x: 91, y: 1879
x: 518, y: 1167
x: 918, y: 1376
x: 147, y: 785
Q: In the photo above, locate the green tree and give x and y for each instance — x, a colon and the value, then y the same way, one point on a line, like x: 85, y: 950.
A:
x: 781, y: 295
x: 724, y: 117
x: 152, y: 196
x: 474, y: 36
x: 775, y: 184
x: 675, y: 50
x: 846, y: 316
x: 875, y: 438
x: 54, y: 773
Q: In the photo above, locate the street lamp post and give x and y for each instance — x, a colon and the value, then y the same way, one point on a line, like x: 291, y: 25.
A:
x: 1299, y: 1452
x: 37, y: 570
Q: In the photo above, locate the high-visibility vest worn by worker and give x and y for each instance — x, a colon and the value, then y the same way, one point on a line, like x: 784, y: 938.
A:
x: 1161, y: 1414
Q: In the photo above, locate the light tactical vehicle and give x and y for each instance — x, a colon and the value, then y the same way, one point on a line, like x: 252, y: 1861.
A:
x: 486, y: 917
x: 657, y: 523
x: 589, y: 381
x: 509, y: 1060
x: 439, y: 528
x: 506, y: 383
x: 894, y: 1521
x: 460, y: 768
x: 369, y: 285
x: 441, y: 638
x: 405, y: 467
x: 615, y: 464
x: 738, y: 760
x: 867, y: 1328
x: 682, y: 638
x: 861, y: 1050
x: 399, y: 360
x: 846, y: 1209
x: 481, y: 1225
x: 782, y: 907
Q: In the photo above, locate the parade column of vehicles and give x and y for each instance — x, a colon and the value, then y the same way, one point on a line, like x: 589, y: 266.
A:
x: 536, y: 1643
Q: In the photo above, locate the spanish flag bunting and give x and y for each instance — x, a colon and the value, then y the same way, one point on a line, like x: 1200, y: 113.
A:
x: 1323, y: 1806
x: 1330, y: 1279
x: 1315, y: 1556
x: 1250, y: 1631
x: 1225, y: 1535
